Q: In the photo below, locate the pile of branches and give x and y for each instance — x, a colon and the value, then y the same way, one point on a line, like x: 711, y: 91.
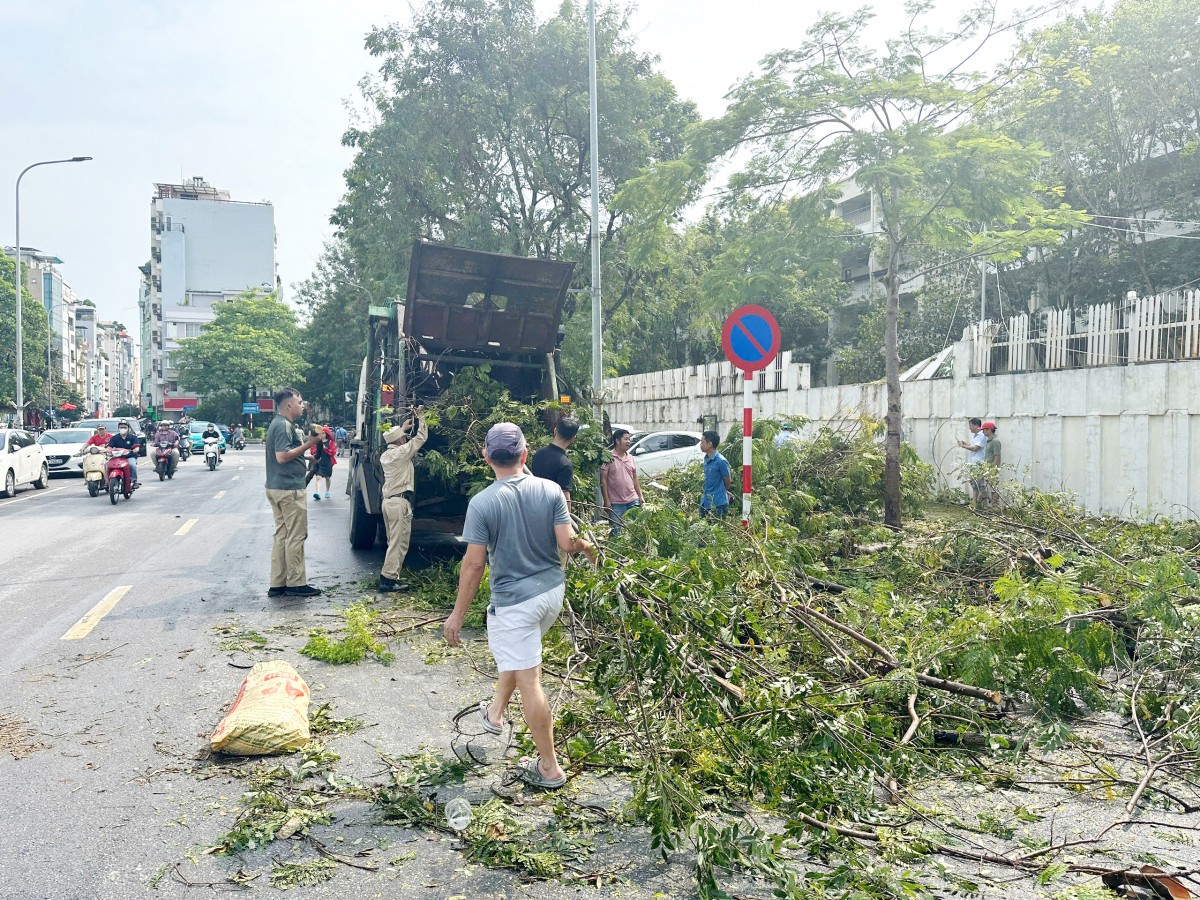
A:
x: 780, y: 675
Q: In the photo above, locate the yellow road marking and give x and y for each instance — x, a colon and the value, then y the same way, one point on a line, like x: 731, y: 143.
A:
x: 185, y: 527
x: 219, y: 495
x: 84, y: 626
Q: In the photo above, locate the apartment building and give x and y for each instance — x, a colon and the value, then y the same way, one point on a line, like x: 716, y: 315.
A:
x: 205, y: 249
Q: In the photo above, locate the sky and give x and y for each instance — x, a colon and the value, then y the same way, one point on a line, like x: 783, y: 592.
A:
x: 254, y: 96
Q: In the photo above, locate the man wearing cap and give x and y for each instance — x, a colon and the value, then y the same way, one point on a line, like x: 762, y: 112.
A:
x: 398, y: 483
x: 991, y: 459
x: 516, y: 525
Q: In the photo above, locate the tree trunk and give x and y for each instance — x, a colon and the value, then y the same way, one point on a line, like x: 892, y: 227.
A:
x: 891, y: 352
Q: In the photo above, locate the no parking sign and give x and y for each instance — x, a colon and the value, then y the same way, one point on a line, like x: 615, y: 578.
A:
x: 751, y: 341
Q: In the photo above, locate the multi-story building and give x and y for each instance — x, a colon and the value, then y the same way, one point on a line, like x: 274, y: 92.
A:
x: 44, y: 282
x: 121, y: 365
x: 205, y: 249
x: 90, y: 361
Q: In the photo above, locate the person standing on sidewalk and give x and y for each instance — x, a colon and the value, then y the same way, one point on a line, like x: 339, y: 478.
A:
x: 285, y: 492
x: 619, y: 480
x: 398, y: 482
x: 515, y: 525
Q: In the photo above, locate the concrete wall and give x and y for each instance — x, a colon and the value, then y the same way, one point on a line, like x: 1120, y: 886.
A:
x: 1124, y: 439
x: 230, y: 246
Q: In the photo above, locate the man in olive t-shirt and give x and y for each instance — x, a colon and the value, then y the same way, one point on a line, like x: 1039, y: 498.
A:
x: 285, y: 492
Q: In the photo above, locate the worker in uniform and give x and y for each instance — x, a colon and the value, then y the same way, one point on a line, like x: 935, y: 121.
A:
x: 398, y: 482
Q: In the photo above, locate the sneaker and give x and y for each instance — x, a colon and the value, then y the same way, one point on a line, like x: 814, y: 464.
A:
x: 276, y: 591
x: 387, y: 586
x: 327, y: 495
x: 304, y: 590
x: 316, y: 496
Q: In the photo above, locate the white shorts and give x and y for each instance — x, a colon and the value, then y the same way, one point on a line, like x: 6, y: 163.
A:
x: 515, y: 632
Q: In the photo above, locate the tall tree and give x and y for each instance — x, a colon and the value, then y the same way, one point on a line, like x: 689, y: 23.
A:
x: 476, y: 133
x: 1114, y: 96
x: 904, y: 123
x: 253, y: 342
x: 34, y: 329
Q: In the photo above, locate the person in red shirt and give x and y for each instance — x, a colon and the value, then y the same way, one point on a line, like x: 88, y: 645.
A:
x: 99, y: 439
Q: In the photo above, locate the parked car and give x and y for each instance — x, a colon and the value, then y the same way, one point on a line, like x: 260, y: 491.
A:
x: 661, y: 450
x: 196, y: 436
x: 635, y: 434
x: 64, y: 449
x: 21, y: 462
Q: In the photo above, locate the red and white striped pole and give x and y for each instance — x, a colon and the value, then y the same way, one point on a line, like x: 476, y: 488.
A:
x: 747, y: 444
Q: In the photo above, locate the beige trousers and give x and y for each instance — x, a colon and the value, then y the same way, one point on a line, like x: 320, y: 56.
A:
x: 290, y: 510
x: 397, y: 516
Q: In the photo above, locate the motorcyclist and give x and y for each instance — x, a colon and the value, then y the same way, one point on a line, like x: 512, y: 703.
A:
x: 238, y: 435
x: 127, y: 439
x: 100, y: 438
x: 165, y: 433
x: 213, y: 432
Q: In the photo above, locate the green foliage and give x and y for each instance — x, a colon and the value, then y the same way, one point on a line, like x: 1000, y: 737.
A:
x: 251, y: 343
x: 34, y: 330
x: 266, y: 810
x: 354, y: 646
x: 286, y: 875
x: 322, y: 721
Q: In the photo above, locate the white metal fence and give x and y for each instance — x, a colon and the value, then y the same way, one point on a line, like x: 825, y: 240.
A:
x: 1137, y: 330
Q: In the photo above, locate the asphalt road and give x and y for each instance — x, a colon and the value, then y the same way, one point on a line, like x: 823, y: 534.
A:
x: 111, y: 623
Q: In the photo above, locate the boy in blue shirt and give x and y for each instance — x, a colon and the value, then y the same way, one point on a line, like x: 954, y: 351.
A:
x: 715, y: 500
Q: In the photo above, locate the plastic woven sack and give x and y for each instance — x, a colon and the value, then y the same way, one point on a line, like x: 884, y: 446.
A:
x: 270, y: 714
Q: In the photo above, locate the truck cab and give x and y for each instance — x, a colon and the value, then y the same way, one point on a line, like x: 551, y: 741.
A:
x: 462, y: 308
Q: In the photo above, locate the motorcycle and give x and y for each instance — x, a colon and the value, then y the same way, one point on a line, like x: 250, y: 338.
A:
x: 212, y: 453
x: 239, y: 443
x: 118, y: 475
x: 185, y: 447
x: 94, y: 464
x: 164, y: 460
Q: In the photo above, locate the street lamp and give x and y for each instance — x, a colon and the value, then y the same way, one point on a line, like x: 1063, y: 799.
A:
x: 17, y: 279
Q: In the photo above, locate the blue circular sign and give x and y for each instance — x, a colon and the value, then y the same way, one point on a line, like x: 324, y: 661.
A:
x: 751, y: 338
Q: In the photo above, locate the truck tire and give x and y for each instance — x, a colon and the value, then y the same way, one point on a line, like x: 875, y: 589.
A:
x: 363, y: 525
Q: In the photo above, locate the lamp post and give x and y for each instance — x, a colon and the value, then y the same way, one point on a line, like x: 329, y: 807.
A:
x: 594, y: 137
x: 17, y: 278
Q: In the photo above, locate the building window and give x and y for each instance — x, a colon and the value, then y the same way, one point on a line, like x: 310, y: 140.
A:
x: 190, y: 329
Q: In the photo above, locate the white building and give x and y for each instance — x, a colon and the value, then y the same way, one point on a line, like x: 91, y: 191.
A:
x: 205, y: 248
x: 121, y: 386
x: 44, y: 283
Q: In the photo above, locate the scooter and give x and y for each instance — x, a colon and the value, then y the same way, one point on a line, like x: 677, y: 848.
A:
x: 185, y: 447
x: 212, y: 453
x: 164, y: 460
x: 93, y: 470
x: 239, y: 443
x: 118, y: 475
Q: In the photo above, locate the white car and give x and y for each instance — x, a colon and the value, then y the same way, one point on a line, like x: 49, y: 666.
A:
x: 661, y: 450
x: 21, y: 462
x: 64, y: 449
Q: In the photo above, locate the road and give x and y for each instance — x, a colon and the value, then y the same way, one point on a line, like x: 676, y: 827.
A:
x: 114, y: 676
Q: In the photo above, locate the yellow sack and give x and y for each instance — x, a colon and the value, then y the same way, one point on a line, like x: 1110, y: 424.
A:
x: 270, y: 714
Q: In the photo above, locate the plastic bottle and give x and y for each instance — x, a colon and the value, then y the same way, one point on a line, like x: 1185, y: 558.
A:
x: 458, y: 814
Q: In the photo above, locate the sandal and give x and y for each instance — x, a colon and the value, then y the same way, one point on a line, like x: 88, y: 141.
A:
x: 530, y: 771
x: 488, y: 725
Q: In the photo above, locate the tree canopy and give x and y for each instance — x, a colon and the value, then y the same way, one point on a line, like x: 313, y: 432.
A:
x: 34, y: 328
x: 252, y: 343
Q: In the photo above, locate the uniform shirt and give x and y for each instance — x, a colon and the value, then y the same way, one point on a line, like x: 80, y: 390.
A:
x: 553, y: 464
x: 514, y: 518
x: 281, y: 437
x: 716, y: 470
x: 622, y: 479
x: 397, y: 462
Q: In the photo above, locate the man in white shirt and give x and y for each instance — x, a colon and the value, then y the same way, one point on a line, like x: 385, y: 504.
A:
x: 975, y: 447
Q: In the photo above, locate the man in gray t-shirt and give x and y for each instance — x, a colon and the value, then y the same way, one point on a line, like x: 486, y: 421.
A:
x: 285, y: 492
x: 517, y: 524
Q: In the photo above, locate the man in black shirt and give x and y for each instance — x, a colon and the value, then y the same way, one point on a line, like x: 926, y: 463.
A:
x: 552, y: 462
x: 128, y: 439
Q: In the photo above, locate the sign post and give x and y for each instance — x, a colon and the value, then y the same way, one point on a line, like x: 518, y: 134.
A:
x: 751, y: 342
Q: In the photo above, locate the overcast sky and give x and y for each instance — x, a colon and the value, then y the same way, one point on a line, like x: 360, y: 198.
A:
x: 252, y: 96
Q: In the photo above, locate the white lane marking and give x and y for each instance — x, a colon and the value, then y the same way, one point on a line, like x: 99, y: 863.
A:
x: 186, y: 527
x: 34, y: 493
x: 240, y: 468
x: 219, y: 495
x: 84, y: 626
x: 234, y: 478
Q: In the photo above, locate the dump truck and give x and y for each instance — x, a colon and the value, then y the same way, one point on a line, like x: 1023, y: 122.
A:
x: 463, y: 308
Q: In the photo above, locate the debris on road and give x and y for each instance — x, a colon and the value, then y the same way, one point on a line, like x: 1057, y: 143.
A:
x: 270, y: 714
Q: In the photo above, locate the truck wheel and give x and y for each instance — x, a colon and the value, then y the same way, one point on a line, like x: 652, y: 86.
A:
x: 363, y: 525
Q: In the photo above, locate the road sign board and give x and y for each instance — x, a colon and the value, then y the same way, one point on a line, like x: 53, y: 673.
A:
x: 249, y: 408
x: 751, y: 338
